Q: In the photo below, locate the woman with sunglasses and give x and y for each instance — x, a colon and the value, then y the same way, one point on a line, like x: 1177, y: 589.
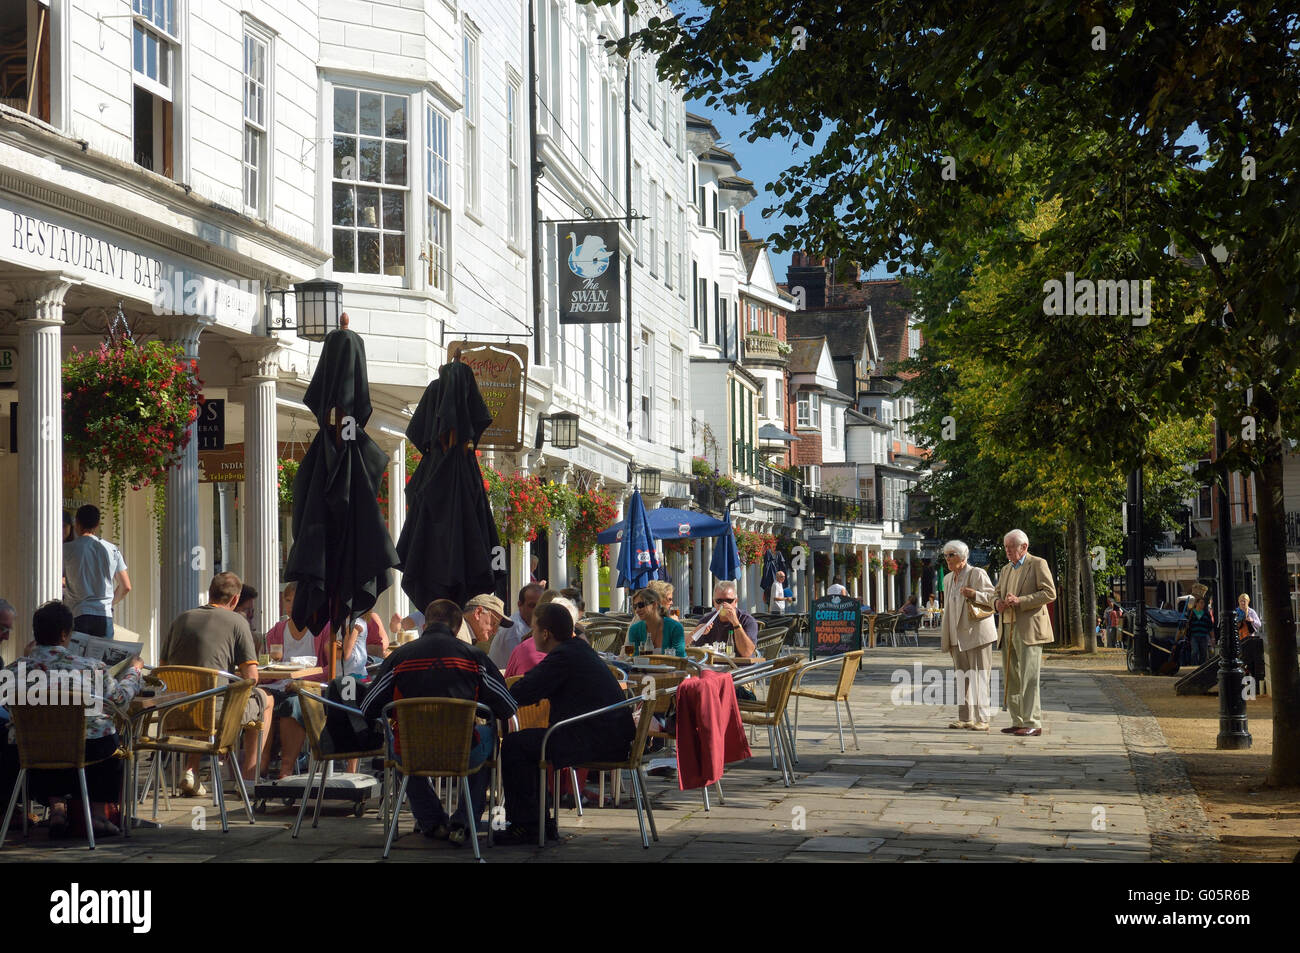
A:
x: 969, y: 640
x: 659, y: 634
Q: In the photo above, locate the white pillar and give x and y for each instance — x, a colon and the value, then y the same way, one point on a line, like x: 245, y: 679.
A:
x: 591, y: 581
x: 261, y: 485
x: 557, y: 555
x: 830, y: 572
x: 225, y: 506
x: 179, y: 570
x: 697, y: 571
x: 397, y: 601
x: 907, y: 582
x: 865, y: 594
x: 881, y: 593
x: 615, y: 593
x: 40, y: 446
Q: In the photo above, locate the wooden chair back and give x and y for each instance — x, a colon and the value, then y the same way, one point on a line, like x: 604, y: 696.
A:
x: 436, y: 735
x: 198, y: 719
x: 50, y: 737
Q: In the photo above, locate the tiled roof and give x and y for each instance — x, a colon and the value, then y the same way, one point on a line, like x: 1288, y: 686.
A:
x: 805, y: 354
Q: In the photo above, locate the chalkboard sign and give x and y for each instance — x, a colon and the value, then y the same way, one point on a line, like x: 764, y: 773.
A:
x: 836, y: 626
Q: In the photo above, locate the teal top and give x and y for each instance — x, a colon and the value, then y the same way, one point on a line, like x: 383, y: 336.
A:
x: 674, y: 638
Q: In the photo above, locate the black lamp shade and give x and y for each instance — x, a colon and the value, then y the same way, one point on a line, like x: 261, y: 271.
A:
x: 817, y: 523
x: 320, y: 303
x: 647, y: 481
x: 743, y: 504
x: 564, y: 431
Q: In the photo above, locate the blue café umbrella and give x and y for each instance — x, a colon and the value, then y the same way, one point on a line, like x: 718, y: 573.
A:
x: 726, y: 557
x: 638, y: 562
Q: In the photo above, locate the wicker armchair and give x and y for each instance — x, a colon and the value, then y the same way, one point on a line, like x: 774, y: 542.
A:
x: 632, y: 765
x: 437, y: 735
x: 850, y: 662
x: 193, y: 720
x: 770, y: 713
x: 771, y: 641
x: 313, y: 706
x: 222, y: 744
x: 50, y: 738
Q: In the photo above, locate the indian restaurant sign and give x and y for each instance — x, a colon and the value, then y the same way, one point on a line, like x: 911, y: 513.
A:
x: 501, y: 372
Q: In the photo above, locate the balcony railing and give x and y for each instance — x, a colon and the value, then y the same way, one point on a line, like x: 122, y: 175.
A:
x: 783, y: 483
x: 763, y: 347
x: 844, y: 508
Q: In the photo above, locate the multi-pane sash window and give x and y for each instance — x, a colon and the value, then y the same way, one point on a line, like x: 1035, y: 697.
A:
x: 679, y: 417
x: 514, y: 213
x: 584, y: 106
x: 638, y: 204
x: 681, y: 251
x: 470, y: 47
x: 668, y: 240
x: 654, y: 227
x: 437, y: 151
x: 155, y: 44
x: 256, y: 68
x: 370, y: 182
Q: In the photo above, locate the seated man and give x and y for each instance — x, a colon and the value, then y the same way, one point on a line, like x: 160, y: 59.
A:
x: 216, y: 636
x: 52, y: 626
x: 575, y: 680
x: 439, y: 665
x: 728, y: 623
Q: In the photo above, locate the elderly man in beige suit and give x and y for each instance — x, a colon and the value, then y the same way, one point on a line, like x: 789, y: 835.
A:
x: 969, y: 641
x: 1024, y: 589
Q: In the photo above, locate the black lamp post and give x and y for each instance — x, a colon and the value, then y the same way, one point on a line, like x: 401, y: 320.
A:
x: 1234, y: 731
x: 743, y: 504
x: 647, y: 481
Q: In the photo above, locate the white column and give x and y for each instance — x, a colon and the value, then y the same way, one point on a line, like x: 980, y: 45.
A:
x: 830, y: 572
x: 697, y: 571
x: 226, y: 522
x: 864, y: 595
x: 396, y: 598
x: 180, y: 575
x: 557, y: 555
x: 40, y: 445
x: 907, y: 582
x: 881, y: 593
x: 615, y: 593
x: 261, y: 485
x: 591, y: 581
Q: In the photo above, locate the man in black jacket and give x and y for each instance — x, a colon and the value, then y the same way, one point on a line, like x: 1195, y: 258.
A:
x: 439, y: 665
x: 575, y: 680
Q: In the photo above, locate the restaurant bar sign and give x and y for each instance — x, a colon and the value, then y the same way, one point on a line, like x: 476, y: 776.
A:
x: 589, y: 272
x: 836, y: 626
x: 501, y: 372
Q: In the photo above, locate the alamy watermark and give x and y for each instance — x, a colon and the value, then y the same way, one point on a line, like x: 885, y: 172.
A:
x: 200, y: 295
x: 35, y: 686
x: 1083, y: 296
x: 919, y: 685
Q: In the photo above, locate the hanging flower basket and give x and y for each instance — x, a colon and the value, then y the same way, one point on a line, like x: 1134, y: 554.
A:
x: 596, y: 511
x: 519, y: 505
x: 682, y: 547
x: 127, y: 411
x: 287, y: 470
x: 891, y: 566
x: 873, y: 563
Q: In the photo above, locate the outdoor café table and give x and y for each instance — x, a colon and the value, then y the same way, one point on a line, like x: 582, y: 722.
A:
x: 273, y: 673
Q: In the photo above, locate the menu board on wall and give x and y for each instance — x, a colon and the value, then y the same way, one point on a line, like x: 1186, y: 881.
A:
x: 501, y: 371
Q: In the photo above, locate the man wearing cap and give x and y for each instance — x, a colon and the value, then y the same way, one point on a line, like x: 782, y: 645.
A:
x: 482, y: 618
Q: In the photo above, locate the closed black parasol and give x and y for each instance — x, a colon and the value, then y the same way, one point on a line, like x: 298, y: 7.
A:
x: 342, y: 552
x: 449, y: 539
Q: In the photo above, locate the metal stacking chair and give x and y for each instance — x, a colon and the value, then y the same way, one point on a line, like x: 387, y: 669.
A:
x: 222, y: 744
x: 196, y: 720
x: 770, y: 713
x: 50, y: 738
x: 435, y: 735
x: 632, y: 764
x: 850, y: 662
x: 314, y: 706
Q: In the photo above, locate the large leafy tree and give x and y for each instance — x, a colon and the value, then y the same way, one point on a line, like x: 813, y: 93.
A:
x: 1156, y: 126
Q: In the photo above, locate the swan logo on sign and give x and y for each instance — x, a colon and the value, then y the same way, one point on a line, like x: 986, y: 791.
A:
x: 589, y: 286
x: 683, y: 529
x: 591, y: 258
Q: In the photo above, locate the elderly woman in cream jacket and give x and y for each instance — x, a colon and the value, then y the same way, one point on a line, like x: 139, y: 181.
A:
x: 970, y: 642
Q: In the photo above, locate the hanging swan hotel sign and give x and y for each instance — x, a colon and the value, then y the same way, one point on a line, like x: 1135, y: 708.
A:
x: 589, y: 272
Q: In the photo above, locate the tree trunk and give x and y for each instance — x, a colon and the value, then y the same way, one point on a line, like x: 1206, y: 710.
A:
x: 1279, y: 625
x: 1087, y: 583
x: 1072, y: 584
